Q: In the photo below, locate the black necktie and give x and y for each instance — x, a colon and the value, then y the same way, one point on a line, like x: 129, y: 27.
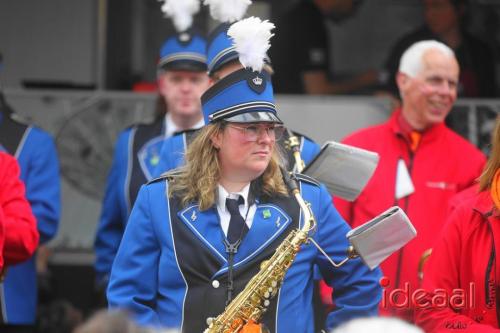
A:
x: 237, y: 226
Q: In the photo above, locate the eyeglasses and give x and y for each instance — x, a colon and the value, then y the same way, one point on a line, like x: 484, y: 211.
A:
x: 253, y: 132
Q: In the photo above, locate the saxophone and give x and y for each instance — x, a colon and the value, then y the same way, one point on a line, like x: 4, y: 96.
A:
x: 293, y: 144
x: 252, y: 302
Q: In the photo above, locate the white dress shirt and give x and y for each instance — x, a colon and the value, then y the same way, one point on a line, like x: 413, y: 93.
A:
x: 246, y: 212
x: 171, y: 127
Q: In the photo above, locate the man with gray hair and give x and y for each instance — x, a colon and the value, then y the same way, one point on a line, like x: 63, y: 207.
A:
x: 422, y: 164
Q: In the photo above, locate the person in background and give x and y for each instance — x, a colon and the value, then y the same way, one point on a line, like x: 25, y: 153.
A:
x: 35, y: 151
x: 18, y: 233
x: 182, y: 79
x: 422, y: 162
x: 444, y: 22
x: 464, y: 259
x: 300, y: 51
x: 197, y: 236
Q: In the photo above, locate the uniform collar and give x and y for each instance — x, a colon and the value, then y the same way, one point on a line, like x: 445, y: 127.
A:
x: 431, y: 133
x: 171, y: 127
x: 270, y: 220
x: 484, y: 205
x: 222, y: 194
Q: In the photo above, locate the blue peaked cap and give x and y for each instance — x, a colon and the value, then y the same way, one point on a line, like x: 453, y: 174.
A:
x: 242, y: 96
x: 184, y: 51
x: 220, y: 49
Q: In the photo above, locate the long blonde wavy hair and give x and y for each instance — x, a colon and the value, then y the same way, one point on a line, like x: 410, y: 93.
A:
x: 493, y: 163
x: 197, y: 180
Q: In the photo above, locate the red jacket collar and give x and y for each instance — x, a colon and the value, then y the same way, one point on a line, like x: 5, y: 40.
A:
x: 484, y: 205
x: 428, y: 135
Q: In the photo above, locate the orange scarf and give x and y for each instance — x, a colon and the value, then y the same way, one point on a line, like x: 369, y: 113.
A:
x: 495, y: 189
x: 415, y: 140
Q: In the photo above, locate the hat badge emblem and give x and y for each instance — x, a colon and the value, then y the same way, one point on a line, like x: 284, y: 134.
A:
x: 184, y: 37
x: 257, y: 81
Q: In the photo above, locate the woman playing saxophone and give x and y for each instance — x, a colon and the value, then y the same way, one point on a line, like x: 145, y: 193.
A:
x: 197, y: 236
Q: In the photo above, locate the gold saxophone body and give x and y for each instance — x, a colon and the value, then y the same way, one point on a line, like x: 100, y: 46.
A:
x: 252, y: 301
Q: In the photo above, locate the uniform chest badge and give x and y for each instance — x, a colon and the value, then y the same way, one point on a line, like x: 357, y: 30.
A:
x: 154, y: 160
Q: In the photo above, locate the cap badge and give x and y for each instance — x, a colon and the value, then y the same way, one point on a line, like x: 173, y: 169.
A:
x: 184, y: 38
x: 256, y: 82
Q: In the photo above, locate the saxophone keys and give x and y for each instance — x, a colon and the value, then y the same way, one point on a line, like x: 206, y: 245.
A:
x: 210, y: 320
x: 266, y: 303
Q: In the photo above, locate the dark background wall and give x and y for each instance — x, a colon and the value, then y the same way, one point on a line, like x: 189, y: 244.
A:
x: 51, y: 40
x: 113, y: 43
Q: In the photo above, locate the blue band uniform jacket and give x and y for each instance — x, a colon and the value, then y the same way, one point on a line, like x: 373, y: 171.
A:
x: 36, y: 154
x: 171, y: 268
x: 135, y: 159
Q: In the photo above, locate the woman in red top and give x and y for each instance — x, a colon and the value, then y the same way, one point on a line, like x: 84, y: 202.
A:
x: 461, y: 278
x: 18, y: 232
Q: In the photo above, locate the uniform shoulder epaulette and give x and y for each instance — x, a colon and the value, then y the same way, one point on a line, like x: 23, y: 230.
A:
x: 158, y: 179
x: 169, y: 175
x: 304, y: 178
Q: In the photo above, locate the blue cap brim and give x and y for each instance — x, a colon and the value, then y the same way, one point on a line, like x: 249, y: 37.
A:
x: 184, y: 65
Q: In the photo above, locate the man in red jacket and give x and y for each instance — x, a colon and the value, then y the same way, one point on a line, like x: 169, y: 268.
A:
x: 422, y: 164
x: 18, y: 232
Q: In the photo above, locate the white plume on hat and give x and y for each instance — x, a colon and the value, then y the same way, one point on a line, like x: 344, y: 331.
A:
x: 251, y: 38
x: 227, y: 10
x: 181, y: 12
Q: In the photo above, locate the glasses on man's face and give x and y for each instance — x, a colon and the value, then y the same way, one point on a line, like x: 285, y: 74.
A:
x: 253, y: 131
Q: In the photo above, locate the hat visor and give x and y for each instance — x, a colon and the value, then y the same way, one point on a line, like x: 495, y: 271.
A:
x: 184, y: 65
x: 255, y: 117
